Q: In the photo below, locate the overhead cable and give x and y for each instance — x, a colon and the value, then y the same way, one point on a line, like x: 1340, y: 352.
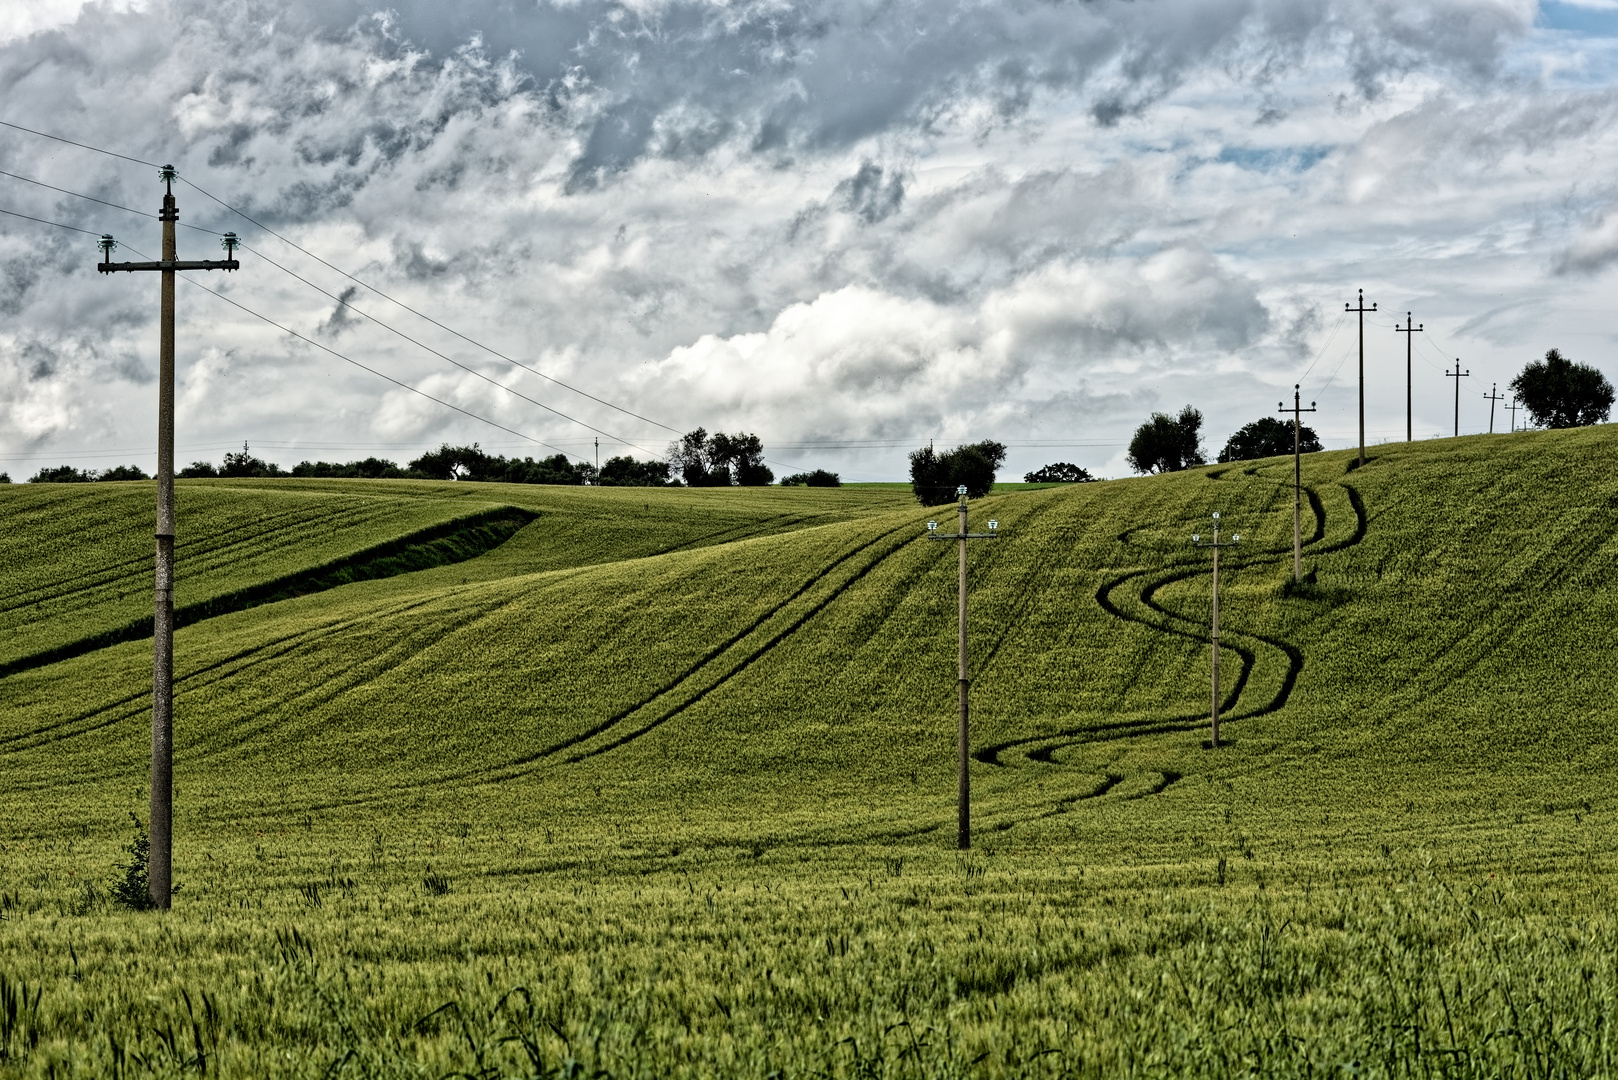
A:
x: 292, y: 244
x: 318, y: 345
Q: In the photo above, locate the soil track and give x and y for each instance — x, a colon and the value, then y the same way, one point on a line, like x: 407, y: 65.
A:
x: 1042, y: 748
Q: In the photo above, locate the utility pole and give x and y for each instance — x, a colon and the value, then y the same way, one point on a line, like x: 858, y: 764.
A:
x: 963, y: 828
x: 1213, y: 740
x: 1493, y: 395
x: 1514, y: 406
x: 1362, y: 309
x: 1457, y: 375
x: 1407, y: 330
x: 162, y: 797
x: 1297, y: 412
x: 598, y: 455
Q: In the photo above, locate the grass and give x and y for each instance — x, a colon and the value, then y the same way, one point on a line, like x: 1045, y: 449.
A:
x: 671, y: 794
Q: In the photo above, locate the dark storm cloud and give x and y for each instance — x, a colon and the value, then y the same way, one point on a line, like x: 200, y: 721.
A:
x: 341, y: 318
x: 872, y: 193
x: 675, y: 79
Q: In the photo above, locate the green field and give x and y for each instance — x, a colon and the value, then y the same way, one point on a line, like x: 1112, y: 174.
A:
x: 663, y: 784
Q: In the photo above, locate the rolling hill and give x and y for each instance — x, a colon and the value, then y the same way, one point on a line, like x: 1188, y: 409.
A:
x: 680, y: 765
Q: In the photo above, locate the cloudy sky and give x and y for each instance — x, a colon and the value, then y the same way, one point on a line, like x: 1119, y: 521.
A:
x: 850, y: 227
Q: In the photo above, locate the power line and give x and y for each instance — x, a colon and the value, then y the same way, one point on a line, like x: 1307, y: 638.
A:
x: 447, y: 359
x: 345, y: 304
x: 42, y: 221
x: 316, y: 344
x: 1341, y: 318
x: 363, y: 367
x: 297, y: 247
x: 429, y: 318
x: 103, y: 202
x: 82, y: 146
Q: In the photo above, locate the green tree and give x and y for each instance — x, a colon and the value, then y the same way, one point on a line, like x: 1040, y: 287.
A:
x: 628, y: 472
x: 63, y: 474
x: 741, y: 456
x: 816, y: 478
x: 372, y: 468
x: 123, y: 472
x: 1560, y: 393
x: 691, y: 458
x: 934, y: 477
x: 1267, y: 437
x: 1061, y: 472
x: 245, y: 464
x: 719, y: 460
x: 1167, y: 443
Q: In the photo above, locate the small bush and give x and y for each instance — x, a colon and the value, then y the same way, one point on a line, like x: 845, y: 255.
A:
x: 133, y: 890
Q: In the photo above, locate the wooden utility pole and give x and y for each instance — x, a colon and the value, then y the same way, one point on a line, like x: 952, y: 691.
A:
x: 162, y: 796
x: 1213, y: 738
x: 1513, y: 407
x: 963, y: 829
x: 1457, y: 375
x: 1362, y: 309
x: 1407, y: 330
x: 1493, y: 395
x: 1297, y: 412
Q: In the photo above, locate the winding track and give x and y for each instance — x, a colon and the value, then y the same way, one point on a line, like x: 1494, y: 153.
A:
x: 1041, y: 749
x: 742, y: 649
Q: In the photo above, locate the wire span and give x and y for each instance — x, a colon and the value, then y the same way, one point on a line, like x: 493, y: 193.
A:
x: 324, y: 348
x: 42, y: 221
x: 336, y: 269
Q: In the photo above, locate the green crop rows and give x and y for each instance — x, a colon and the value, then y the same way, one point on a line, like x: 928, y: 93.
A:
x: 663, y: 785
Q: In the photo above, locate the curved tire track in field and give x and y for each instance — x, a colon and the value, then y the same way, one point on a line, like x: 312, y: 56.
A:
x: 521, y: 766
x: 741, y: 665
x: 1023, y: 598
x: 210, y: 547
x: 137, y: 705
x: 1046, y: 746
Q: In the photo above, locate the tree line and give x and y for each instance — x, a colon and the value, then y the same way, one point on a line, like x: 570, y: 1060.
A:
x: 1556, y: 392
x: 696, y: 459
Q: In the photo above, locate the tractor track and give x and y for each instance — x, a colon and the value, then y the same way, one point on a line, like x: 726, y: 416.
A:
x: 516, y: 768
x: 1045, y: 746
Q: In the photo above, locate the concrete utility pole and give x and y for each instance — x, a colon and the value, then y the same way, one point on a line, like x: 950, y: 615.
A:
x: 963, y: 830
x: 1457, y: 375
x: 598, y: 454
x: 1297, y: 412
x: 1213, y: 739
x: 1407, y: 330
x: 162, y: 802
x: 1493, y: 395
x: 1362, y: 309
x: 1513, y: 407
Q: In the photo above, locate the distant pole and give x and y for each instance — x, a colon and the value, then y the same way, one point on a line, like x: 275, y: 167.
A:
x: 1213, y: 739
x: 1493, y: 397
x: 1362, y: 309
x: 1513, y: 407
x: 963, y: 796
x: 1457, y: 375
x: 1407, y: 330
x: 162, y: 795
x: 1297, y: 483
x: 598, y: 453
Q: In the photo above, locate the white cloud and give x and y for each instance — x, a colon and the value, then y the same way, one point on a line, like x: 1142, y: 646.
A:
x: 834, y: 220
